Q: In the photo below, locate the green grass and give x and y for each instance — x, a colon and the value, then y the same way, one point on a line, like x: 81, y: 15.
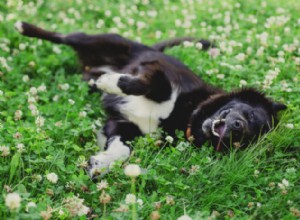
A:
x: 241, y: 185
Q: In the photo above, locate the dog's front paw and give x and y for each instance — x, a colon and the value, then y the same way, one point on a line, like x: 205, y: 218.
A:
x: 100, y: 164
x: 109, y: 83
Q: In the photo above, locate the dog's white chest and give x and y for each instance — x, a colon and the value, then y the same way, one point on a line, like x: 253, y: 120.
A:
x: 145, y: 113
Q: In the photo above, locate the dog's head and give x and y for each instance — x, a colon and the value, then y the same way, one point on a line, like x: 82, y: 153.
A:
x: 234, y: 119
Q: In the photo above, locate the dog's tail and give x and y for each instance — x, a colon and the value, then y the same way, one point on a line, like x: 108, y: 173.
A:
x: 34, y: 31
x: 161, y: 46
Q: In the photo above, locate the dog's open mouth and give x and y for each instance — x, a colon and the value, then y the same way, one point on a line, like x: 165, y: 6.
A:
x: 218, y: 129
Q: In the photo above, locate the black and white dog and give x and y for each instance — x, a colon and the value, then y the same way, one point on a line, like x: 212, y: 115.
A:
x: 144, y: 89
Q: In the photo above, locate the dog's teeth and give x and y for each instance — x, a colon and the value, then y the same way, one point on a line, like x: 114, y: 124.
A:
x: 213, y: 127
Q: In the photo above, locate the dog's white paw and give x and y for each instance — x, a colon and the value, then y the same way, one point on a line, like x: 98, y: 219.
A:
x: 19, y: 26
x: 103, y: 161
x: 100, y: 164
x: 109, y: 83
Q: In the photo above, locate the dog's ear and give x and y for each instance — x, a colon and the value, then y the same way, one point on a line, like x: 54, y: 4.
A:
x: 278, y: 107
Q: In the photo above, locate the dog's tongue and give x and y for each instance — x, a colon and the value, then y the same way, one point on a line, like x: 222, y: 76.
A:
x: 220, y: 129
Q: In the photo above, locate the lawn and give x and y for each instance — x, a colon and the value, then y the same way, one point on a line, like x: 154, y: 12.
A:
x: 48, y: 118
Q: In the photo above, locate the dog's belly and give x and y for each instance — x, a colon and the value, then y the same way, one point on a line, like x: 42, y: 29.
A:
x: 145, y: 113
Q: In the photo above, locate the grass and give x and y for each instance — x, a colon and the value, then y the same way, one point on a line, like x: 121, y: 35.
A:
x: 261, y: 182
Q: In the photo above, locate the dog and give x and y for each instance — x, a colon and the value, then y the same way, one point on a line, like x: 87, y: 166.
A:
x: 145, y: 89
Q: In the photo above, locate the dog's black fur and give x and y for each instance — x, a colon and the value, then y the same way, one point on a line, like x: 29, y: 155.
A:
x: 136, y: 77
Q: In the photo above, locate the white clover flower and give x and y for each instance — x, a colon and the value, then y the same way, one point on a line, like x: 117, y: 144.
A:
x: 122, y: 208
x: 33, y: 109
x: 220, y: 76
x: 5, y: 151
x: 281, y: 186
x: 249, y: 50
x: 178, y: 22
x: 75, y: 206
x: 140, y: 202
x: 61, y: 213
x: 107, y: 13
x: 31, y: 99
x: 102, y: 185
x: 104, y: 198
x: 22, y: 46
x: 56, y: 50
x: 243, y: 82
x: 33, y: 91
x: 154, y: 215
x: 263, y: 38
x: 281, y: 53
x: 287, y: 30
x: 187, y: 44
x: 13, y: 201
x: 18, y: 114
x: 20, y: 147
x: 158, y: 34
x: 170, y: 200
x: 260, y: 51
x: 58, y: 124
x: 184, y: 217
x: 25, y: 78
x: 30, y: 205
x: 277, y: 39
x: 71, y: 101
x: 42, y: 88
x: 132, y: 170
x: 240, y: 57
x: 169, y: 139
x: 3, y: 63
x: 37, y: 177
x: 52, y: 177
x: 214, y: 52
x: 81, y: 162
x: 152, y: 13
x: 64, y: 86
x: 286, y: 47
x: 130, y: 199
x: 82, y: 114
x: 270, y: 76
x: 100, y: 23
x: 39, y: 121
x: 55, y: 98
x: 285, y: 182
x: 31, y: 63
x: 289, y: 125
x: 194, y: 169
x: 291, y: 170
x: 141, y: 25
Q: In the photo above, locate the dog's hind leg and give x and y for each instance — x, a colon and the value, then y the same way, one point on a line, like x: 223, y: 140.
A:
x: 117, y: 132
x: 93, y: 50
